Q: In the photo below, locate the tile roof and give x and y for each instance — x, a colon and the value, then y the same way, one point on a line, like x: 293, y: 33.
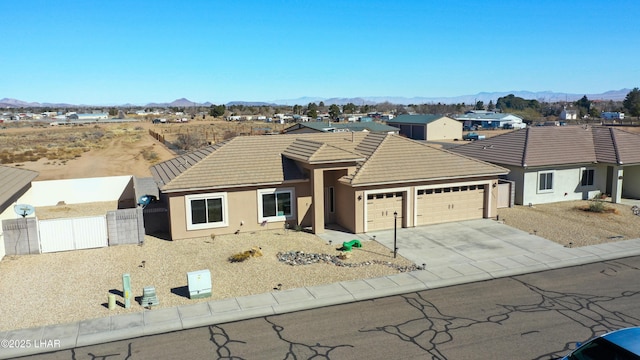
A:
x: 13, y: 182
x: 318, y: 152
x: 551, y: 145
x: 260, y: 160
x: 398, y: 159
x: 351, y: 126
x: 415, y: 119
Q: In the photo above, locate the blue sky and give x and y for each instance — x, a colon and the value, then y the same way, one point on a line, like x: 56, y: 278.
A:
x: 116, y: 52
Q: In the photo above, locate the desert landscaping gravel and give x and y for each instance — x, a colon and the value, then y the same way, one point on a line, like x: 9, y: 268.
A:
x: 568, y: 223
x: 74, y: 285
x: 71, y: 286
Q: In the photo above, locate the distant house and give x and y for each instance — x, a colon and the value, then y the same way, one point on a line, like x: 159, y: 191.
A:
x: 427, y: 127
x: 568, y: 114
x: 551, y: 164
x: 490, y: 120
x: 88, y: 117
x: 328, y: 126
x: 13, y: 184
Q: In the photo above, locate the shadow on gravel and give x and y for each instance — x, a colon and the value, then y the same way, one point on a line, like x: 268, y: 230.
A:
x: 181, y: 291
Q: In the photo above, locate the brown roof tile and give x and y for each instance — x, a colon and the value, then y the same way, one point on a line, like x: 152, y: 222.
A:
x: 627, y: 146
x: 550, y: 145
x: 13, y: 182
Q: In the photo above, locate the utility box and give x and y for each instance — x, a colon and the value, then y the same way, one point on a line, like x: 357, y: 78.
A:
x: 199, y: 283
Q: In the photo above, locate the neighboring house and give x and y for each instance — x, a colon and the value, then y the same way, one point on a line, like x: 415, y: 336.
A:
x: 568, y: 114
x: 14, y: 183
x: 355, y: 180
x: 322, y: 126
x: 490, y: 120
x: 550, y: 164
x: 427, y: 127
x: 88, y: 117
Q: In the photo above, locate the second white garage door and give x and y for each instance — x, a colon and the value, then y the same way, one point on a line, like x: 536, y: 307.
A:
x: 455, y: 203
x: 380, y: 209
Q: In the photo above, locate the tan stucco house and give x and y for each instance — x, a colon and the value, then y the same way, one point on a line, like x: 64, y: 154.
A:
x: 354, y: 180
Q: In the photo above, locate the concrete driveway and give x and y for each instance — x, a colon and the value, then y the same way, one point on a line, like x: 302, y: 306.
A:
x: 457, y: 242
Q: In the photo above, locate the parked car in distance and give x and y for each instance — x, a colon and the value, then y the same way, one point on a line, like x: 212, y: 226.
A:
x: 623, y: 344
x: 472, y: 136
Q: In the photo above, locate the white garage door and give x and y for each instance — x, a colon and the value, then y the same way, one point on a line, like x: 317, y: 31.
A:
x: 455, y: 203
x: 380, y: 209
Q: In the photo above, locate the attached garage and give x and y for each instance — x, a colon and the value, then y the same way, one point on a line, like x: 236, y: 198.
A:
x: 450, y: 203
x: 380, y: 209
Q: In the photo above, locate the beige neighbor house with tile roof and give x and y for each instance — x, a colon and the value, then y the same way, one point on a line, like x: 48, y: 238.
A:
x: 550, y: 164
x: 353, y: 180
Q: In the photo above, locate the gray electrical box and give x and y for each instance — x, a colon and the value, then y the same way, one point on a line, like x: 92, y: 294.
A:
x: 199, y: 283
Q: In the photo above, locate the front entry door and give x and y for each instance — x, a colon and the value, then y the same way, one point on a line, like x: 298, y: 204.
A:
x: 329, y: 205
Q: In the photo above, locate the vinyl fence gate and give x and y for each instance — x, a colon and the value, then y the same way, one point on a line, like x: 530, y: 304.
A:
x: 73, y: 234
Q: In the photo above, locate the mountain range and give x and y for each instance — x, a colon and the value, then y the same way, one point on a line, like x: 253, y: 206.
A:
x: 542, y: 96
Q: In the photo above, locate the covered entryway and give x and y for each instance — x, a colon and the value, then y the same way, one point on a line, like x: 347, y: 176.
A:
x: 380, y: 209
x: 446, y: 204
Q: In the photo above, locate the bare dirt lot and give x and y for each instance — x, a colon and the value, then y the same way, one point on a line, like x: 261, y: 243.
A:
x: 95, y: 150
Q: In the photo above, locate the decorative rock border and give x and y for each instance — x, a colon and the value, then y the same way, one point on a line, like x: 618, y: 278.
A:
x: 296, y: 258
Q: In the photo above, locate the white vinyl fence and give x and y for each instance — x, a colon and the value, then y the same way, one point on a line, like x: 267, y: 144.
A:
x: 73, y: 234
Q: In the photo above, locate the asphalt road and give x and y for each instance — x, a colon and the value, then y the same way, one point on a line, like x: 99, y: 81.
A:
x: 536, y: 316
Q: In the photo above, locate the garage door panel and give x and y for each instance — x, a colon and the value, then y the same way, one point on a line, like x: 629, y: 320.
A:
x: 380, y: 209
x: 449, y: 204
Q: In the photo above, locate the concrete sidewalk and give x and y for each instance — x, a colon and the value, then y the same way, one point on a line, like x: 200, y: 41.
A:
x: 453, y: 253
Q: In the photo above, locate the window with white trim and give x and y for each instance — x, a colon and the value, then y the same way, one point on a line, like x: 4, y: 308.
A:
x: 276, y: 204
x: 206, y: 211
x: 587, y: 177
x: 545, y: 181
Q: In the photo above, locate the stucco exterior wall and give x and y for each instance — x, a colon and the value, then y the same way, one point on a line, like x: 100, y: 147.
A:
x: 242, y: 210
x: 444, y: 129
x: 79, y: 191
x: 346, y: 207
x: 566, y: 185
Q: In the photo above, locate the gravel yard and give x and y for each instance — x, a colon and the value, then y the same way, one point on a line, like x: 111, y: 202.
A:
x: 568, y: 223
x: 71, y: 286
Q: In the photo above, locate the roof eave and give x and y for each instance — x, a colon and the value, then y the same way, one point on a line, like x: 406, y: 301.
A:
x: 431, y: 179
x: 194, y: 189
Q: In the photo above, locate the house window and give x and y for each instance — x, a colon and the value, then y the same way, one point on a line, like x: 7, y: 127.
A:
x: 587, y: 177
x: 545, y: 182
x: 275, y: 204
x: 206, y: 211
